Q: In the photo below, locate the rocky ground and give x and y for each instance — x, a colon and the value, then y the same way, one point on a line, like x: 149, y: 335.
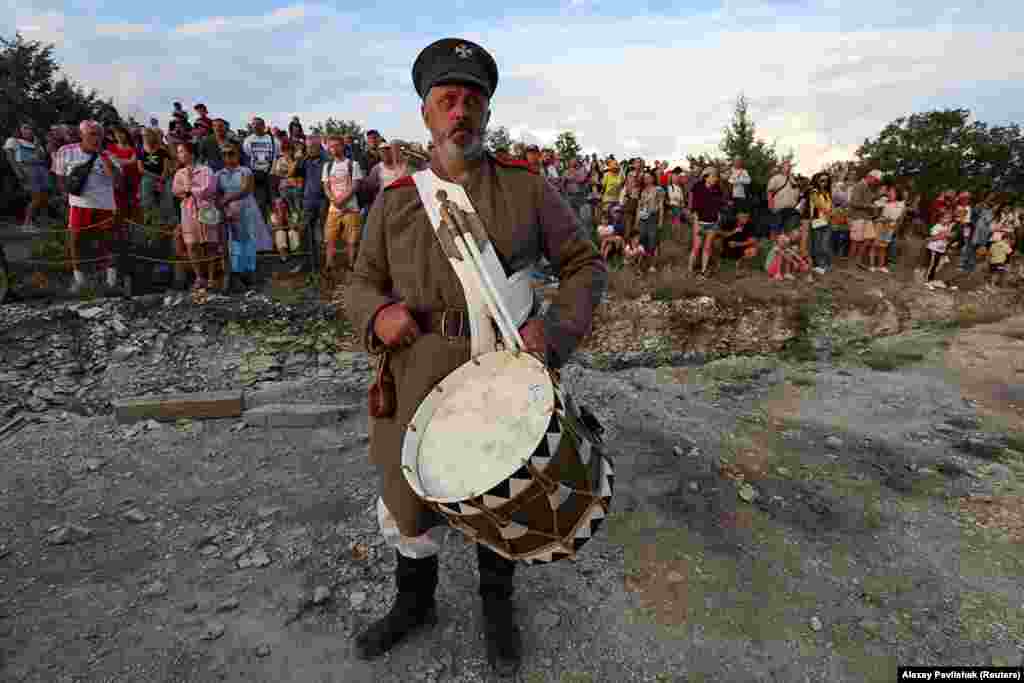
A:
x: 846, y: 504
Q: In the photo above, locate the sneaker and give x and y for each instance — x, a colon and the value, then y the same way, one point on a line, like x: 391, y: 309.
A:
x: 77, y: 283
x: 111, y: 277
x: 30, y: 228
x: 819, y: 270
x: 939, y: 283
x: 883, y: 269
x: 788, y: 276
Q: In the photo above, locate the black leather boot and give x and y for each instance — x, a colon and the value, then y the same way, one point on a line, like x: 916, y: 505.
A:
x: 504, y: 643
x: 414, y: 607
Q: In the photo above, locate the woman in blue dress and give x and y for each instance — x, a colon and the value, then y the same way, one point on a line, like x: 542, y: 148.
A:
x: 246, y: 228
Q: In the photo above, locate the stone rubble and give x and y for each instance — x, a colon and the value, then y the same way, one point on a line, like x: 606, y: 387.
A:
x: 78, y: 357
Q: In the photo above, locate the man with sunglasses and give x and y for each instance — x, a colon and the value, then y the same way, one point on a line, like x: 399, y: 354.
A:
x: 92, y: 210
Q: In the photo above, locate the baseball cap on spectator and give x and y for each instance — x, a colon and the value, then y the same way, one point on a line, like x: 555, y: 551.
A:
x: 372, y: 131
x: 532, y: 148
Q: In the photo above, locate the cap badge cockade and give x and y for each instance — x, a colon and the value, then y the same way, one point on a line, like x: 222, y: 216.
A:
x: 464, y: 51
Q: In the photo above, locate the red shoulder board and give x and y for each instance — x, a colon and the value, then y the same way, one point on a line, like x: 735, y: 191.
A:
x: 404, y: 181
x: 509, y: 162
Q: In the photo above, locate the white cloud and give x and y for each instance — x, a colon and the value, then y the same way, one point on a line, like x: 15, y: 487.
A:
x: 122, y: 29
x: 277, y: 18
x: 817, y: 82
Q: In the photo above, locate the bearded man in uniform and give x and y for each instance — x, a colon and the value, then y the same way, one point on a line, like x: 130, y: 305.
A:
x: 406, y: 298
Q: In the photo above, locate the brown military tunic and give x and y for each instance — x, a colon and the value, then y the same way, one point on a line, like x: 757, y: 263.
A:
x: 401, y: 260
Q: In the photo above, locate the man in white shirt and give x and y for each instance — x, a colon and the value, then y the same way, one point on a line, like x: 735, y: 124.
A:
x: 339, y: 179
x: 783, y: 195
x: 740, y: 180
x: 262, y: 151
x: 93, y: 208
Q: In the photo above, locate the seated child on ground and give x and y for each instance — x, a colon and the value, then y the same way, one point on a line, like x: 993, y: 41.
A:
x: 635, y: 252
x: 612, y: 233
x: 784, y: 260
x: 739, y: 242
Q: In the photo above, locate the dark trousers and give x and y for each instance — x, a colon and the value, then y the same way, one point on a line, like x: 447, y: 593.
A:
x: 840, y: 242
x: 262, y: 190
x: 893, y: 252
x: 496, y: 574
x: 312, y: 232
x: 821, y: 246
x: 783, y: 220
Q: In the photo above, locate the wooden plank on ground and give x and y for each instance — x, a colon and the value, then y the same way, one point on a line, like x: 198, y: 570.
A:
x: 170, y: 407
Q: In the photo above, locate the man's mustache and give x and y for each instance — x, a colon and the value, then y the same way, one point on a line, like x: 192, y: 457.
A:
x: 461, y: 128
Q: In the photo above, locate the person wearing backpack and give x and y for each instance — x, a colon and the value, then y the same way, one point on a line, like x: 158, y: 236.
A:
x: 340, y: 179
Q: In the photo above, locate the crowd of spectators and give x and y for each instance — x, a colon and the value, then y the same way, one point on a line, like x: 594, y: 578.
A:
x: 796, y: 227
x: 227, y: 194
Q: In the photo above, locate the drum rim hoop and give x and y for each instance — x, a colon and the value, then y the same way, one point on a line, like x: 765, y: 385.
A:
x: 413, y: 435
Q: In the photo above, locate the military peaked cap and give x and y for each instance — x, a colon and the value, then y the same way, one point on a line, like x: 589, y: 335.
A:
x: 453, y: 60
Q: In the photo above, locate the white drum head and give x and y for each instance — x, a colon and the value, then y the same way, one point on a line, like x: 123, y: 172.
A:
x: 480, y: 428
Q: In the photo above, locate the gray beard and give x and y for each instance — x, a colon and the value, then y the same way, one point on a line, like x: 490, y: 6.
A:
x: 472, y: 151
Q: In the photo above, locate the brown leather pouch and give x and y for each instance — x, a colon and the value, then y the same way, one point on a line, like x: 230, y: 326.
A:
x: 383, y: 398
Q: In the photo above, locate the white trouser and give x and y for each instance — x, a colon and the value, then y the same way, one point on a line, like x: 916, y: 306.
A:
x: 413, y: 547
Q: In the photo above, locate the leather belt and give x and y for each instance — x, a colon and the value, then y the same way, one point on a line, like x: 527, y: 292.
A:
x: 451, y: 322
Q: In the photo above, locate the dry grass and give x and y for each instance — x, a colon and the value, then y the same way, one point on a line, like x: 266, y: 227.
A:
x: 972, y: 315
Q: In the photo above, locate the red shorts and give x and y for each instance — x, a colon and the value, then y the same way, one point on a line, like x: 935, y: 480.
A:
x: 80, y: 218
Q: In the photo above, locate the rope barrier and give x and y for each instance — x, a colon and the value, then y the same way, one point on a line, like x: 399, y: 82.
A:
x: 163, y: 231
x: 78, y: 229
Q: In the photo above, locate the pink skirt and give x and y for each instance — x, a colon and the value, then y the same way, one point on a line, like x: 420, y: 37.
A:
x: 194, y: 232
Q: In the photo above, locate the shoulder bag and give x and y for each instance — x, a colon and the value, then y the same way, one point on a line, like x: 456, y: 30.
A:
x: 79, y: 176
x: 771, y: 195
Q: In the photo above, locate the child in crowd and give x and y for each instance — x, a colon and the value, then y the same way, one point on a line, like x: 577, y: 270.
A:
x: 941, y: 233
x: 998, y: 255
x: 893, y: 208
x: 636, y: 255
x: 612, y: 232
x: 784, y: 259
x: 739, y: 243
x: 285, y: 234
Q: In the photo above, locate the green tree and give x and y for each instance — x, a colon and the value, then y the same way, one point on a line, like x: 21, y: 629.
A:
x: 740, y: 141
x: 34, y: 90
x: 567, y: 146
x: 698, y: 162
x: 334, y: 126
x: 499, y: 140
x: 945, y: 149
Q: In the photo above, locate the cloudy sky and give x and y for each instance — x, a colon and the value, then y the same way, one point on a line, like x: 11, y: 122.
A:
x: 656, y: 79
